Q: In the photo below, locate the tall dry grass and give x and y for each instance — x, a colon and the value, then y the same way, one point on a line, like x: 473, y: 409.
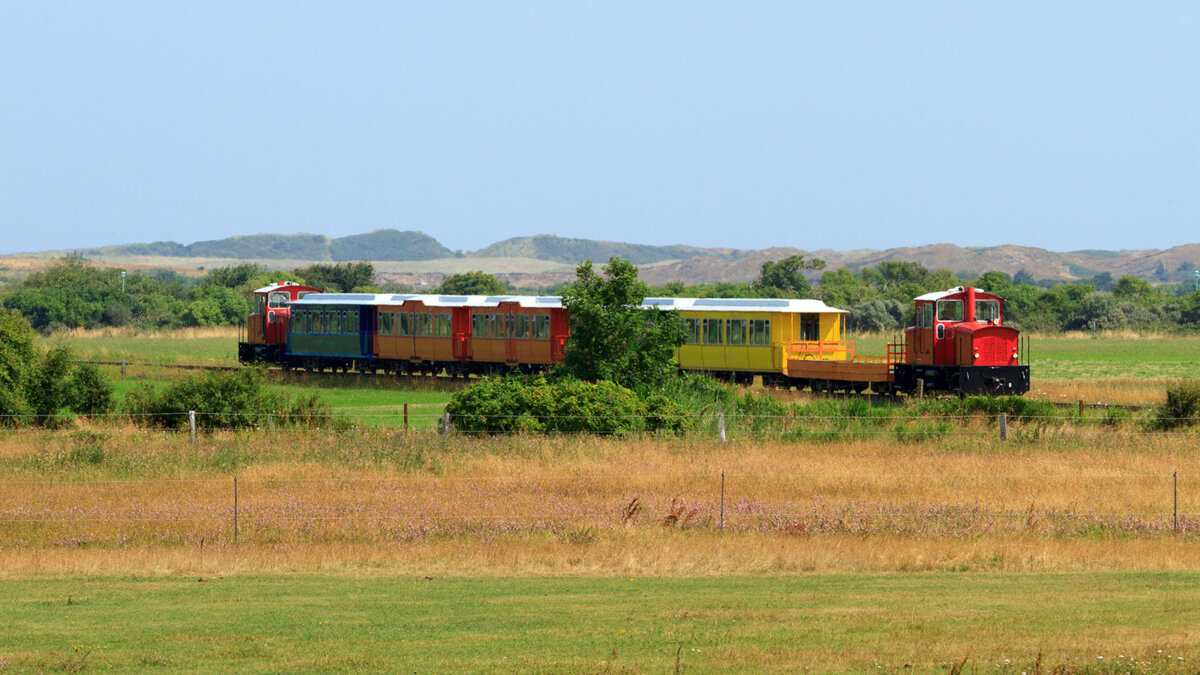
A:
x: 1096, y: 498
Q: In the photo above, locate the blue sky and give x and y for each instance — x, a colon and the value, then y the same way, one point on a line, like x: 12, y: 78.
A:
x: 1064, y: 125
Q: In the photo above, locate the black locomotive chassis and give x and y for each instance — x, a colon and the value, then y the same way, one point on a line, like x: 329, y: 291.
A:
x: 995, y: 380
x: 249, y: 352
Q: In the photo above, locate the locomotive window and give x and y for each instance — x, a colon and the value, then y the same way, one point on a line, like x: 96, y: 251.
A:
x: 987, y: 310
x: 927, y: 316
x: 441, y: 325
x: 277, y: 300
x: 692, y: 337
x: 949, y: 310
x: 760, y: 332
x: 737, y: 331
x: 713, y: 332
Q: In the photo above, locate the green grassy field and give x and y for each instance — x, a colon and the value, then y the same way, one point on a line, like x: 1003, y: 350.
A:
x: 847, y: 622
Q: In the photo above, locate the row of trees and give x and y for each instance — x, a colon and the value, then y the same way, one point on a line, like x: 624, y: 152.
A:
x: 72, y: 293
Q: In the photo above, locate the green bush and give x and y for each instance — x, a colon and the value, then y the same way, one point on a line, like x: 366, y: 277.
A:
x: 224, y: 400
x: 1015, y: 407
x: 1181, y: 408
x: 519, y: 403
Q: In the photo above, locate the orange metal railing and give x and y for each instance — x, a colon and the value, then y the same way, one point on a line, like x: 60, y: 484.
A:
x: 840, y: 350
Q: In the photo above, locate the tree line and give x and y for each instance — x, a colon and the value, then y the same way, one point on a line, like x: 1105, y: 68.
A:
x: 73, y: 293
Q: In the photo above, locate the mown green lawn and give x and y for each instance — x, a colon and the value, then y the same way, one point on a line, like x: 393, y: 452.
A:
x: 209, y: 351
x: 848, y: 622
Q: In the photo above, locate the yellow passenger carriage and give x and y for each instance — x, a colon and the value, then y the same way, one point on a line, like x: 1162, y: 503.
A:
x: 737, y: 338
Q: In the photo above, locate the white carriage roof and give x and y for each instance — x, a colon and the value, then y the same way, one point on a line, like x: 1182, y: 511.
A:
x: 528, y: 301
x: 938, y: 295
x: 743, y: 305
x: 554, y: 302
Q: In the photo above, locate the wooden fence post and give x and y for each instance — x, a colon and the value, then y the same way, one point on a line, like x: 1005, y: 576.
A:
x: 722, y: 501
x: 1003, y: 426
x: 445, y: 423
x: 721, y: 426
x: 192, y: 424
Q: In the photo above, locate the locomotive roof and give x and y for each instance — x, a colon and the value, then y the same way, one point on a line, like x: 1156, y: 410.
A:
x: 743, y: 305
x: 938, y: 295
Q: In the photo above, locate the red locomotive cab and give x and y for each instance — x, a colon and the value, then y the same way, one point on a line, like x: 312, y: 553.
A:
x: 961, y: 327
x: 267, y: 325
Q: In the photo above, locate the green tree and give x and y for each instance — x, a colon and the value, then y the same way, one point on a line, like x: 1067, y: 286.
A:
x: 215, y: 306
x: 785, y: 278
x: 1135, y: 289
x: 16, y: 355
x: 840, y: 288
x: 612, y: 337
x: 472, y: 283
x: 339, y: 278
x: 234, y: 275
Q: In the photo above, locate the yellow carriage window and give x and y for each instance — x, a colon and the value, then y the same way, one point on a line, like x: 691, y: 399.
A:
x: 520, y: 326
x: 387, y: 322
x: 541, y: 327
x: 425, y: 324
x: 692, y: 328
x: 479, y: 325
x: 737, y: 331
x: 810, y: 327
x: 498, y: 321
x: 760, y: 332
x: 713, y: 332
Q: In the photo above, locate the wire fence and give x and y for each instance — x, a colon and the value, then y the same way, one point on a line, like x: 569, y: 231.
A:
x: 233, y: 510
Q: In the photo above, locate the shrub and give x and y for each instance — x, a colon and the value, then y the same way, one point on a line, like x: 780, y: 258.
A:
x: 567, y: 406
x: 224, y: 400
x: 1181, y: 408
x: 90, y: 393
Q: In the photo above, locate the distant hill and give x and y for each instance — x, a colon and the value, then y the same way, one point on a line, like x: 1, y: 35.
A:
x: 572, y: 251
x: 415, y: 257
x: 388, y: 245
x: 377, y: 245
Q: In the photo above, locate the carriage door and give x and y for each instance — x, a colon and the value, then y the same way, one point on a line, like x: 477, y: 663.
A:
x: 460, y: 328
x: 560, y: 330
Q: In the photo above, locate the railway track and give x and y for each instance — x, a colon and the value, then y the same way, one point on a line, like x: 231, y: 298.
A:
x: 187, y: 366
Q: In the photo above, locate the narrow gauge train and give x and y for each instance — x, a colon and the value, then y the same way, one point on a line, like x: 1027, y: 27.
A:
x: 958, y: 343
